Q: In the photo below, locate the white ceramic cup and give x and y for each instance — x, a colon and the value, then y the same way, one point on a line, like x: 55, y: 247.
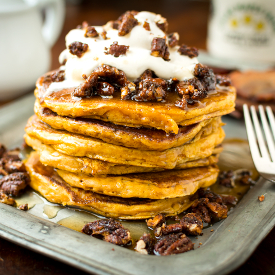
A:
x: 242, y: 30
x: 25, y: 42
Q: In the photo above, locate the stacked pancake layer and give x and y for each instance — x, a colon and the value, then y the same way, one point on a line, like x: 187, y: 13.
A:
x: 119, y: 158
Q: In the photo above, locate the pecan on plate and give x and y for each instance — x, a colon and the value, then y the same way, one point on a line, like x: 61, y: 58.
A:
x: 6, y: 199
x: 128, y: 22
x: 3, y: 150
x: 226, y: 178
x: 158, y: 220
x: 110, y: 230
x: 213, y: 197
x: 78, y: 48
x: 200, y: 208
x: 159, y: 48
x: 12, y: 184
x: 24, y: 207
x: 11, y: 161
x: 116, y: 50
x: 145, y: 245
x: 192, y: 224
x: 189, y: 51
x: 173, y: 244
x: 229, y: 199
x: 168, y: 229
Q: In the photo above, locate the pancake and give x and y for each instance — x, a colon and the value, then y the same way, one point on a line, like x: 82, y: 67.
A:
x: 162, y: 185
x: 140, y: 138
x: 82, y: 146
x: 160, y: 115
x: 50, y: 157
x: 47, y: 182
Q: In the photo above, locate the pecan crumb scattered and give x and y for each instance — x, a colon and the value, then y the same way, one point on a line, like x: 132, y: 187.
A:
x: 173, y: 39
x: 91, y: 32
x: 146, y: 26
x: 110, y: 230
x: 24, y: 207
x: 212, y: 230
x: 128, y: 22
x: 84, y: 25
x: 245, y: 177
x: 116, y: 50
x: 104, y: 35
x: 159, y: 48
x: 261, y: 198
x: 145, y: 245
x: 4, y: 198
x: 78, y: 48
x: 223, y: 80
x: 189, y: 51
x: 226, y: 178
x: 173, y: 244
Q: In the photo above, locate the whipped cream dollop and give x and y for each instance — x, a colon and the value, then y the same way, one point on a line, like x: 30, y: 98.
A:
x: 137, y: 59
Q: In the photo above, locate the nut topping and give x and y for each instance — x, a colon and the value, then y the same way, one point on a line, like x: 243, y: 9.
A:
x: 146, y: 26
x: 78, y: 48
x: 91, y: 32
x: 173, y: 39
x: 145, y: 245
x: 159, y: 48
x: 189, y: 51
x: 6, y: 199
x: 116, y: 50
x: 128, y: 22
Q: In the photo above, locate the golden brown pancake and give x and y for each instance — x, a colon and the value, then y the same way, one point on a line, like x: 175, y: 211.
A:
x: 50, y: 157
x: 47, y: 182
x: 162, y: 185
x: 82, y: 146
x: 164, y: 116
x: 140, y: 138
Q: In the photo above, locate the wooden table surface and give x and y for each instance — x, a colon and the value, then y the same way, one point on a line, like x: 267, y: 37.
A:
x: 189, y: 19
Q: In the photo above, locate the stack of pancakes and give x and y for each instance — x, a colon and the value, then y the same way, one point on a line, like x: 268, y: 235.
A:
x: 123, y: 158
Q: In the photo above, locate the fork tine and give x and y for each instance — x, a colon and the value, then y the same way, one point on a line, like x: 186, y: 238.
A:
x: 271, y: 119
x: 250, y: 134
x: 267, y: 132
x: 259, y: 134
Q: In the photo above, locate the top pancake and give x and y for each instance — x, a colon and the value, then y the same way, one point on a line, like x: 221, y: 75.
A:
x: 160, y: 115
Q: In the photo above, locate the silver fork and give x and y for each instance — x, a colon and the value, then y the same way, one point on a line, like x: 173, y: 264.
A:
x: 263, y: 159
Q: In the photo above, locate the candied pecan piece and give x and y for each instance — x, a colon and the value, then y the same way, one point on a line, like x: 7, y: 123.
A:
x: 24, y: 207
x: 173, y: 39
x: 218, y: 210
x: 12, y: 184
x: 200, y: 208
x: 261, y: 198
x: 91, y: 32
x: 145, y: 245
x: 116, y: 50
x: 206, y: 76
x: 128, y: 91
x: 223, y: 80
x: 213, y: 197
x: 162, y: 23
x: 78, y: 48
x: 104, y: 35
x: 128, y: 22
x: 158, y: 220
x: 6, y: 199
x: 189, y: 51
x: 146, y: 26
x: 168, y: 229
x: 226, y: 178
x: 192, y: 224
x: 182, y: 103
x: 245, y: 177
x: 173, y: 244
x: 229, y: 199
x: 115, y: 24
x: 105, y: 89
x: 11, y: 161
x: 58, y: 76
x: 110, y: 230
x: 3, y: 150
x: 159, y: 48
x: 84, y: 25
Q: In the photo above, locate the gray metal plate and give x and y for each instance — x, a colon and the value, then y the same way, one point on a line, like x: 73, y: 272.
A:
x: 231, y: 243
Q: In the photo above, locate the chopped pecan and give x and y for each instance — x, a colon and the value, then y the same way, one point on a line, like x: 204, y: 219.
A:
x: 173, y: 39
x: 103, y: 73
x: 12, y: 184
x: 245, y: 177
x: 206, y: 76
x: 78, y: 48
x: 223, y: 80
x: 58, y: 76
x: 3, y: 150
x: 128, y: 22
x: 168, y: 229
x: 192, y: 224
x: 6, y: 199
x: 146, y: 26
x: 189, y: 51
x: 110, y: 230
x: 11, y: 161
x: 158, y: 220
x: 24, y: 207
x: 159, y: 48
x: 200, y: 208
x: 213, y: 197
x: 84, y: 25
x: 145, y: 245
x: 91, y: 32
x: 226, y: 178
x: 229, y: 199
x: 105, y: 89
x: 104, y: 35
x: 261, y: 198
x: 115, y: 24
x: 218, y: 210
x: 162, y: 23
x: 128, y: 91
x: 116, y: 50
x: 173, y: 244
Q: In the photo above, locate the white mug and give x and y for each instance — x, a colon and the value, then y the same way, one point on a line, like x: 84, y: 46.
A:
x: 25, y: 42
x: 242, y: 30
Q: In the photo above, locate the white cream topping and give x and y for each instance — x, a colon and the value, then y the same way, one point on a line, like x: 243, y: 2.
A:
x: 134, y: 63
